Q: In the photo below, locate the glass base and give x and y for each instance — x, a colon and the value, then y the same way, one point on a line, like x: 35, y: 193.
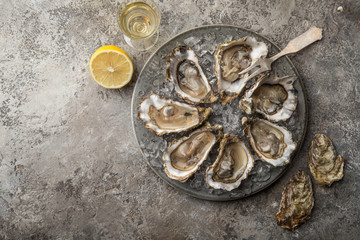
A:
x: 144, y: 44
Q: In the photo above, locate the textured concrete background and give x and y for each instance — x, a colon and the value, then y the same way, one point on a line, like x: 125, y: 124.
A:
x: 70, y: 167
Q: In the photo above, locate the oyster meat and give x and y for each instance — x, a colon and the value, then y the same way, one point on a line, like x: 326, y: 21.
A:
x: 272, y: 96
x: 271, y: 143
x: 296, y: 203
x: 190, y: 82
x: 163, y: 116
x: 230, y: 59
x: 324, y: 165
x: 232, y: 165
x: 184, y: 156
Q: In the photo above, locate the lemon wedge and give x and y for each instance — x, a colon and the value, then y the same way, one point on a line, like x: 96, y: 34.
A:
x: 111, y: 67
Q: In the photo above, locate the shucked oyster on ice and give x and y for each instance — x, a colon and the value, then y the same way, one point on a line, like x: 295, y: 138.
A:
x: 184, y: 71
x: 184, y: 156
x: 296, y: 203
x: 230, y: 59
x: 270, y: 142
x: 324, y: 165
x: 272, y: 96
x: 232, y: 165
x: 163, y: 116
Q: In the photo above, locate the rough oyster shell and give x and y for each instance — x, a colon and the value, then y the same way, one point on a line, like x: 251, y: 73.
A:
x: 271, y: 143
x: 230, y: 59
x: 296, y: 203
x: 184, y: 71
x: 273, y: 97
x: 184, y: 156
x: 232, y: 165
x: 325, y: 167
x: 163, y: 115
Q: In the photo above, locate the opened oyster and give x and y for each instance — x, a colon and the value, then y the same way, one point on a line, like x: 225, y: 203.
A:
x: 162, y: 115
x: 324, y: 165
x: 232, y: 165
x: 184, y: 71
x: 272, y: 96
x: 296, y: 203
x: 271, y: 143
x: 184, y: 156
x: 230, y: 59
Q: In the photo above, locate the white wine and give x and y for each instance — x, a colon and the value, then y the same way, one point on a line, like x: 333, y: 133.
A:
x: 138, y: 20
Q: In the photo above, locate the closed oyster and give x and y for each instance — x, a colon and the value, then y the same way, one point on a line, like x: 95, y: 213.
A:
x: 163, y: 116
x: 324, y: 165
x: 184, y: 71
x: 273, y: 97
x: 232, y: 165
x: 271, y: 143
x: 296, y: 203
x: 184, y: 156
x: 230, y: 59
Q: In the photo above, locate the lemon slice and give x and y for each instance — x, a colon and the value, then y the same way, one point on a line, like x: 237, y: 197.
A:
x: 111, y: 67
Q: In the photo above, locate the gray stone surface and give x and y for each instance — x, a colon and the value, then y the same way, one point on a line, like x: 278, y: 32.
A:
x: 70, y: 167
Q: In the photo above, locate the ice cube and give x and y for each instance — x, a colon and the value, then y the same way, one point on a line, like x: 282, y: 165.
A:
x: 192, y: 41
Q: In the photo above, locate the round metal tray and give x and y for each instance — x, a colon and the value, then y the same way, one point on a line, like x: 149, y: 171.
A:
x: 152, y: 79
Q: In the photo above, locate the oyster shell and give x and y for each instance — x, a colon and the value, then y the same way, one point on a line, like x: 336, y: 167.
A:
x: 184, y: 156
x: 273, y: 97
x: 232, y: 165
x: 230, y: 59
x: 184, y: 71
x: 163, y: 115
x: 271, y: 143
x: 324, y: 165
x: 296, y: 203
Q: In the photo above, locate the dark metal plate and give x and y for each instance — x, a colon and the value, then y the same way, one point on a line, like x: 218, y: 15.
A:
x: 152, y: 79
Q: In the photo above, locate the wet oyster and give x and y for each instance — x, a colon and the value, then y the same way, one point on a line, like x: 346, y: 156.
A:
x: 296, y: 203
x: 184, y: 71
x: 271, y: 143
x: 324, y: 165
x: 184, y: 156
x: 162, y: 115
x: 272, y: 96
x: 230, y: 59
x: 232, y: 165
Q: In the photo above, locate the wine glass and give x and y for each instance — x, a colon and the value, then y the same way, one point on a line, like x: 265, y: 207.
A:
x: 139, y: 21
